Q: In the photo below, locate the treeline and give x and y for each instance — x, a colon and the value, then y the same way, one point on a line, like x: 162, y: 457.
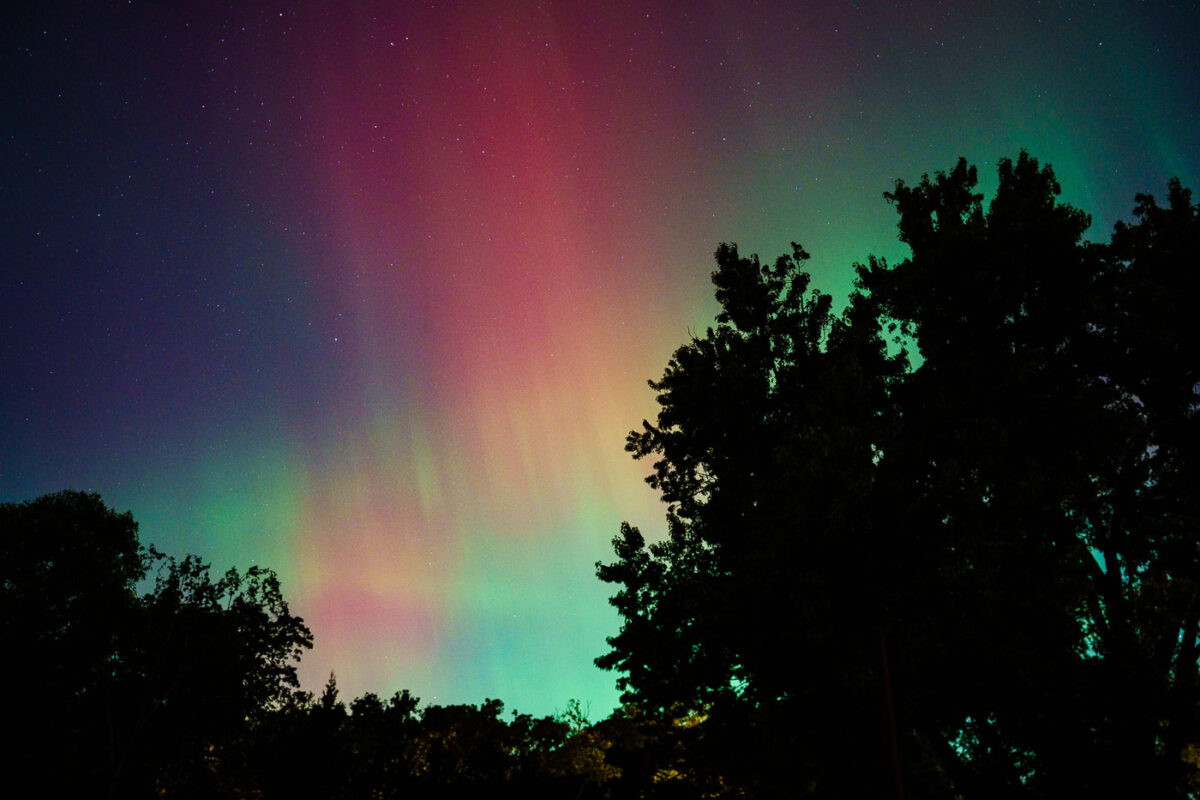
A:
x: 944, y: 544
x: 395, y: 749
x: 187, y: 687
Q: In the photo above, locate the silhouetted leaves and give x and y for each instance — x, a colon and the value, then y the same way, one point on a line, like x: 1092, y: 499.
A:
x: 1016, y: 511
x: 142, y: 691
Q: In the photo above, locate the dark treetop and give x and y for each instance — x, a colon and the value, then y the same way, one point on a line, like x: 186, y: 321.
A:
x: 986, y: 467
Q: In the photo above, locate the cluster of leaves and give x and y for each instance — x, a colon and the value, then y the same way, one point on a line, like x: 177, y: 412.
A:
x: 1007, y: 518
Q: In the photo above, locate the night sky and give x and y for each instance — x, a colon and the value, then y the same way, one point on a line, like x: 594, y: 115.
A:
x: 369, y: 292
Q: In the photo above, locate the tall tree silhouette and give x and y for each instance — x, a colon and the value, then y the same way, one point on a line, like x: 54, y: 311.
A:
x: 757, y: 605
x: 1014, y: 512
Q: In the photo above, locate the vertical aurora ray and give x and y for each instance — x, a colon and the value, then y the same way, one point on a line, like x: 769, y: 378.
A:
x: 497, y: 318
x: 369, y: 292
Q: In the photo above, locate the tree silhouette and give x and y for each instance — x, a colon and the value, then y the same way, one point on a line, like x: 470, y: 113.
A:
x: 188, y: 689
x: 215, y: 658
x: 145, y: 692
x: 67, y: 604
x: 1013, y: 516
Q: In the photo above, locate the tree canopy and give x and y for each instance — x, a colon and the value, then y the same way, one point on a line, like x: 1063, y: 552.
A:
x: 130, y: 685
x: 978, y: 481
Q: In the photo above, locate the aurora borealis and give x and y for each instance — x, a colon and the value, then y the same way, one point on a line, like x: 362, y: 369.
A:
x: 369, y: 292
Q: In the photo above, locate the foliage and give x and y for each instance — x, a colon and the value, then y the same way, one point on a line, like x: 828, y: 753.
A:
x: 394, y: 748
x: 140, y: 689
x: 66, y: 600
x: 190, y: 689
x: 1011, y: 516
